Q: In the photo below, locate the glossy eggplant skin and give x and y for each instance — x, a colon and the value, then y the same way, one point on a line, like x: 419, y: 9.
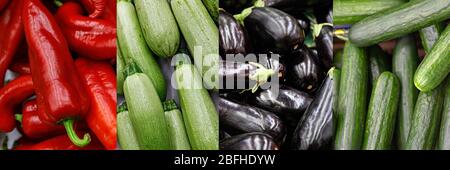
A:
x: 322, y: 14
x: 232, y: 71
x: 303, y: 70
x: 324, y: 44
x: 289, y: 104
x: 235, y: 6
x: 233, y: 37
x: 273, y: 30
x: 249, y: 141
x: 279, y: 3
x: 316, y: 128
x: 237, y: 118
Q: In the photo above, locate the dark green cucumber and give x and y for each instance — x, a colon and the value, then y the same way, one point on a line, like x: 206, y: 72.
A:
x: 436, y: 65
x: 379, y: 62
x: 399, y: 21
x: 352, y: 98
x: 125, y: 132
x: 424, y: 130
x: 380, y: 122
x: 444, y: 135
x: 133, y: 46
x: 337, y: 59
x: 158, y: 26
x: 404, y: 64
x: 213, y: 8
x: 175, y: 125
x: 199, y: 113
x: 352, y: 11
x: 430, y: 35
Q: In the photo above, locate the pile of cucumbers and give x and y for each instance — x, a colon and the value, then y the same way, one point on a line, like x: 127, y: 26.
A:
x: 398, y: 102
x: 149, y: 34
x: 297, y: 39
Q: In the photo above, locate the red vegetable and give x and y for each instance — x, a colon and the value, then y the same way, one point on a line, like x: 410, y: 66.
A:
x: 12, y: 95
x: 20, y: 67
x: 20, y: 62
x: 93, y: 38
x: 61, y: 142
x: 59, y: 91
x: 100, y: 82
x: 109, y: 12
x: 3, y: 3
x: 32, y: 125
x: 11, y: 34
x: 95, y: 7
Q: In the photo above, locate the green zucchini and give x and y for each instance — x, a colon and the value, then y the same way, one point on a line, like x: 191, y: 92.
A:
x: 436, y: 65
x: 175, y: 125
x: 404, y: 63
x: 444, y: 135
x: 201, y: 35
x: 199, y: 113
x: 337, y: 60
x: 380, y: 122
x: 379, y: 62
x: 429, y: 36
x: 213, y: 8
x: 120, y: 66
x: 125, y: 132
x: 424, y: 129
x: 133, y: 45
x: 159, y: 26
x: 399, y: 21
x: 352, y: 100
x: 146, y: 111
x: 352, y: 11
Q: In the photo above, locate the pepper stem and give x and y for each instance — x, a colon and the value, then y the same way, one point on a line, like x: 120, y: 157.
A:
x: 58, y: 3
x: 68, y: 124
x: 18, y: 117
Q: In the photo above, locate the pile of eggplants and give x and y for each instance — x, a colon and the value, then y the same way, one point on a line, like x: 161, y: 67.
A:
x: 299, y: 114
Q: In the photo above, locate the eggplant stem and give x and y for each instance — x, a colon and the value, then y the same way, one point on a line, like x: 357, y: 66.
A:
x: 261, y: 75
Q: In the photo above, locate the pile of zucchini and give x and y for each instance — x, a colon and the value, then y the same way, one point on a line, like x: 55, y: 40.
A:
x: 149, y: 34
x: 300, y: 115
x: 392, y: 98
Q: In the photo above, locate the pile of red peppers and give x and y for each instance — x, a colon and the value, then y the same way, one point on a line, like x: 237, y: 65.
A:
x: 62, y: 54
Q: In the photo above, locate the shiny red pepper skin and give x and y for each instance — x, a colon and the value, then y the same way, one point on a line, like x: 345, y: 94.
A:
x: 3, y: 3
x: 96, y: 8
x: 59, y: 90
x: 20, y: 68
x: 20, y: 62
x: 110, y: 9
x: 12, y: 95
x: 61, y: 142
x: 33, y: 127
x: 93, y: 38
x: 11, y: 34
x: 100, y: 82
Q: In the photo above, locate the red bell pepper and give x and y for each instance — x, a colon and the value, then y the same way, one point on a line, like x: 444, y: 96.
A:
x: 61, y: 142
x: 96, y: 8
x: 109, y: 12
x: 59, y: 90
x: 11, y: 34
x: 33, y: 127
x: 12, y: 95
x: 100, y: 82
x: 3, y: 3
x: 20, y: 62
x: 93, y: 38
x: 20, y: 67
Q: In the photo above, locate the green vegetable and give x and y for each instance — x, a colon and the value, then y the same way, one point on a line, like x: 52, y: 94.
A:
x: 199, y: 113
x: 444, y: 136
x: 404, y: 64
x: 379, y: 62
x: 213, y: 8
x: 175, y: 125
x: 352, y: 11
x: 337, y: 60
x: 133, y: 45
x: 159, y: 26
x: 146, y: 111
x: 352, y: 98
x: 201, y: 35
x: 380, y: 123
x: 424, y: 129
x: 120, y: 72
x: 125, y: 132
x: 429, y: 36
x: 399, y: 21
x: 436, y: 65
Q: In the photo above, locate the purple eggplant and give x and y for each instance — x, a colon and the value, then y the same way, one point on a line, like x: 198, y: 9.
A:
x: 303, y: 70
x: 324, y: 44
x: 249, y: 141
x: 233, y: 38
x: 237, y: 118
x: 235, y: 6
